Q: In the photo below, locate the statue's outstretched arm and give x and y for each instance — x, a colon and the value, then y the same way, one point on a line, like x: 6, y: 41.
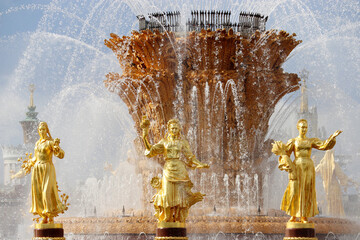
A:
x: 199, y: 164
x: 193, y: 162
x: 28, y: 163
x: 151, y: 150
x: 328, y: 143
x: 20, y: 174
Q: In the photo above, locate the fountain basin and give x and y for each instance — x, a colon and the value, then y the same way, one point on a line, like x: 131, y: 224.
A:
x: 202, y: 226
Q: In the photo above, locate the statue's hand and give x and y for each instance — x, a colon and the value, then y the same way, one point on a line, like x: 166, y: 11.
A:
x: 145, y: 123
x: 56, y: 146
x: 337, y: 133
x: 56, y: 149
x: 203, y: 165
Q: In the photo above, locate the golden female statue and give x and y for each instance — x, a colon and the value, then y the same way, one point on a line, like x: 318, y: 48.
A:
x: 333, y: 179
x: 174, y: 196
x: 299, y: 199
x: 44, y: 190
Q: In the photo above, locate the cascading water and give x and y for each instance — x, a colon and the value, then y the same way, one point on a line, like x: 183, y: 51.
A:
x: 61, y: 50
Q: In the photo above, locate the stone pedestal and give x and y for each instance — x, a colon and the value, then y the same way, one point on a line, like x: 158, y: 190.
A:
x: 300, y: 231
x: 171, y: 231
x: 49, y: 231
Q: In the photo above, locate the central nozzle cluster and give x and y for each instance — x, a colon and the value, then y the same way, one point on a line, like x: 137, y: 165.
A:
x: 247, y: 23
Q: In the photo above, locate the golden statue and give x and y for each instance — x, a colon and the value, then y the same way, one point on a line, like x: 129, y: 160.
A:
x: 333, y: 179
x: 299, y: 200
x: 174, y: 197
x: 44, y: 190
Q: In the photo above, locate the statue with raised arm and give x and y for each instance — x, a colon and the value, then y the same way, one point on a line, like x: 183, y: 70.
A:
x: 299, y: 200
x: 334, y: 180
x: 174, y: 196
x: 45, y: 198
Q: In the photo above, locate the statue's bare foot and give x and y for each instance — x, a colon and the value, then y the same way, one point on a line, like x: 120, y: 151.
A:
x: 44, y: 220
x: 292, y: 219
x: 304, y: 220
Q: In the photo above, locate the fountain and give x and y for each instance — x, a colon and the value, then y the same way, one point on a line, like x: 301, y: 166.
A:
x: 222, y: 85
x: 77, y: 33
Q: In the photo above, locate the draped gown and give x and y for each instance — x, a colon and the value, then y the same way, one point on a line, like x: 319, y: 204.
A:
x: 44, y: 189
